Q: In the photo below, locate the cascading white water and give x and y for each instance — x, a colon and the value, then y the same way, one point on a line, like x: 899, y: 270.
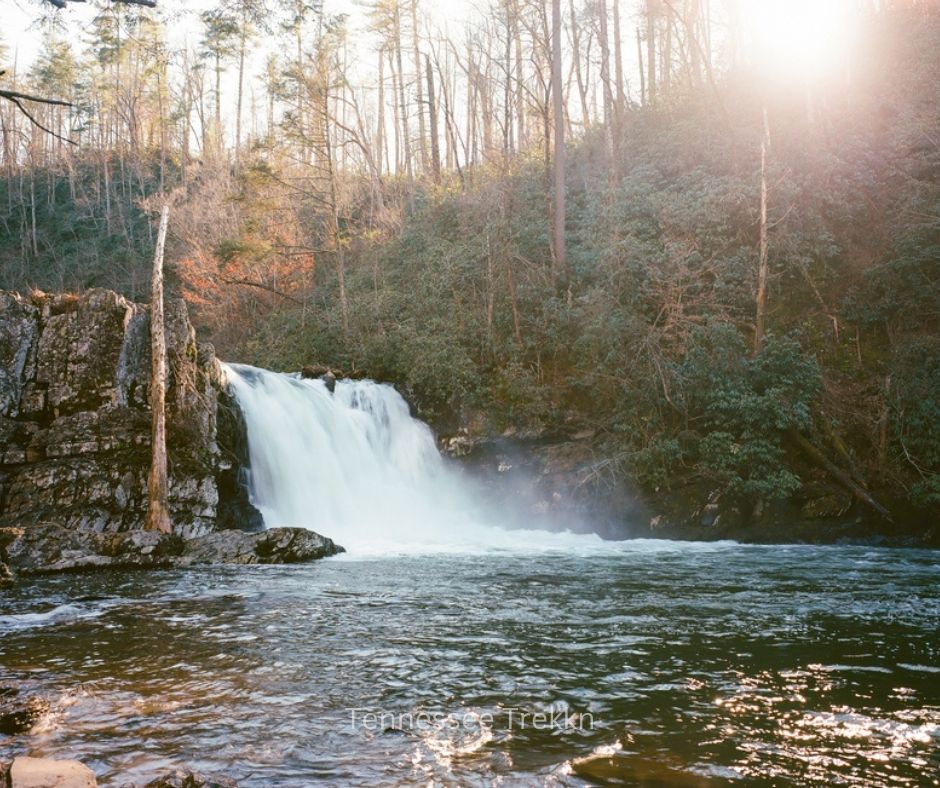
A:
x: 355, y: 466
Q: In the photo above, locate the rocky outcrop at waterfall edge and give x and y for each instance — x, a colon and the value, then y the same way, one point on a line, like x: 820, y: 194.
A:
x: 75, y: 419
x: 75, y: 427
x: 46, y: 548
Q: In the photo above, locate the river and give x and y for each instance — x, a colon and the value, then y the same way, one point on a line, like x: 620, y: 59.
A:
x: 690, y: 664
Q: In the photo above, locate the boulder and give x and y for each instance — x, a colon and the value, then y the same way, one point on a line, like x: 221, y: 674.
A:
x: 274, y: 546
x: 49, y: 773
x: 327, y: 375
x: 313, y: 371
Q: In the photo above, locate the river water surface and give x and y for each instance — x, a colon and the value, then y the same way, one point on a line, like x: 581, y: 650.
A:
x: 650, y: 661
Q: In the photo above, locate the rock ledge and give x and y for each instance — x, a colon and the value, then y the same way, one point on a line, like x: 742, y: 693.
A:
x: 47, y: 548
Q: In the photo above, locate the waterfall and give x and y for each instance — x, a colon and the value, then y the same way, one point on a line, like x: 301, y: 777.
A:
x: 355, y: 466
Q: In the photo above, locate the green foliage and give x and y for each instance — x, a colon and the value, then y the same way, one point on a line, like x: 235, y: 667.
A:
x: 916, y: 416
x: 743, y: 406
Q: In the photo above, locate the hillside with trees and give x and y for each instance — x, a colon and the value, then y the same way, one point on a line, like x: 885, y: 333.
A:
x: 601, y: 218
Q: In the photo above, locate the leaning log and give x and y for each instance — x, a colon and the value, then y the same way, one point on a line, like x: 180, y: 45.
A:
x: 820, y: 459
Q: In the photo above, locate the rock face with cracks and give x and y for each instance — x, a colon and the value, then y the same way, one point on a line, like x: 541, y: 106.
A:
x: 75, y: 426
x: 75, y: 417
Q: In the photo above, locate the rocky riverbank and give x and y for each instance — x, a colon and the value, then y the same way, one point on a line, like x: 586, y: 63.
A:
x: 47, y: 548
x: 75, y: 444
x: 26, y: 772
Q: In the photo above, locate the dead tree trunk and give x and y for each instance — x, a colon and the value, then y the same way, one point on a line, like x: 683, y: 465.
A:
x: 158, y: 516
x: 838, y: 474
x: 558, y: 105
x: 762, y: 258
x: 432, y: 114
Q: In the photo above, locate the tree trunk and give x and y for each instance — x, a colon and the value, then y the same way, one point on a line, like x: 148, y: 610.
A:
x: 218, y: 104
x: 337, y: 240
x: 521, y: 139
x: 838, y: 474
x: 561, y: 263
x: 651, y: 50
x: 639, y: 60
x: 579, y: 75
x: 396, y: 113
x: 762, y: 258
x: 432, y: 114
x: 405, y: 132
x: 380, y: 120
x: 605, y: 78
x: 422, y: 128
x: 158, y: 516
x: 241, y: 83
x: 621, y: 99
x: 508, y: 146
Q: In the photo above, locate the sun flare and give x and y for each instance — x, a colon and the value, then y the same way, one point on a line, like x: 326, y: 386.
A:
x: 809, y: 39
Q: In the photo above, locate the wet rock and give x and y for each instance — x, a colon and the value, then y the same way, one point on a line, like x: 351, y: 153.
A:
x: 19, y: 711
x: 313, y: 371
x: 235, y: 510
x: 75, y: 420
x: 630, y: 769
x: 460, y: 445
x: 710, y: 515
x: 274, y: 546
x: 49, y: 548
x: 327, y: 375
x: 549, y: 481
x: 6, y: 579
x: 49, y: 773
x: 187, y: 778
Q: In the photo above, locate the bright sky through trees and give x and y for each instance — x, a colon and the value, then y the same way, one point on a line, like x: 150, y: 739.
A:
x: 804, y: 39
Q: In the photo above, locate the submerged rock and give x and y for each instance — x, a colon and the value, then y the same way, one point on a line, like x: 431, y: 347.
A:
x: 49, y: 548
x: 187, y: 778
x: 49, y: 773
x: 19, y: 711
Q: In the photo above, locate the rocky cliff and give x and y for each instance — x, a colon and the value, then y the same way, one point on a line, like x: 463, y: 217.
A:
x: 75, y: 418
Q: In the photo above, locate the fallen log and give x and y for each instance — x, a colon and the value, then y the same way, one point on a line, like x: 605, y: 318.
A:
x: 841, y: 476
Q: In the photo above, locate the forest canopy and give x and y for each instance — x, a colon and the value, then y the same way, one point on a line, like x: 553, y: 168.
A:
x: 706, y: 231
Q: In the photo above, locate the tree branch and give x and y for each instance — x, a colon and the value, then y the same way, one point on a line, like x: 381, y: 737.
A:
x: 15, y: 97
x: 260, y: 286
x: 12, y: 95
